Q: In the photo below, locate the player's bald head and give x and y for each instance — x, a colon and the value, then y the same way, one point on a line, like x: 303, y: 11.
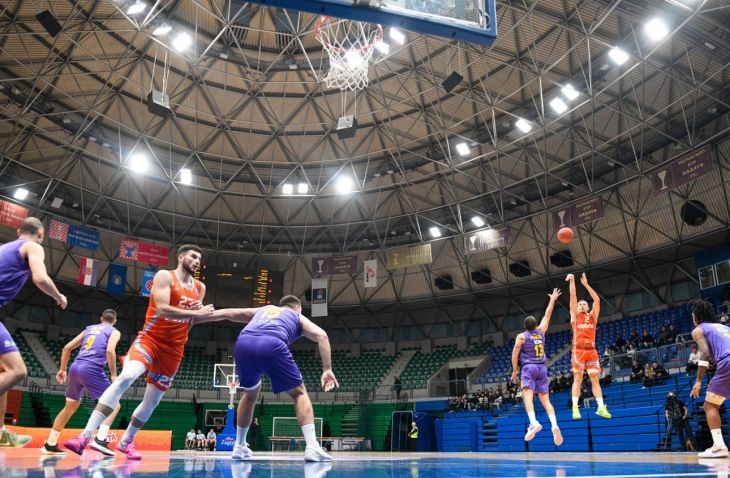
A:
x: 32, y: 228
x: 291, y: 301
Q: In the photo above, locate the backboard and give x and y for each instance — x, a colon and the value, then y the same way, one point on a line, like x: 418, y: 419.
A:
x: 223, y: 375
x: 473, y: 21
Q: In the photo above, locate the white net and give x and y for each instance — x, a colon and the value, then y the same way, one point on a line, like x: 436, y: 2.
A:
x: 289, y: 427
x: 350, y: 46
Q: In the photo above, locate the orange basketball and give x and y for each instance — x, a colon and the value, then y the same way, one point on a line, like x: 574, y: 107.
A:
x: 565, y: 235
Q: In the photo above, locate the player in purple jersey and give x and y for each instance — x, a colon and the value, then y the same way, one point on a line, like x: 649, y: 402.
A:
x: 98, y: 348
x: 530, y: 350
x: 263, y: 347
x: 19, y: 260
x: 713, y: 342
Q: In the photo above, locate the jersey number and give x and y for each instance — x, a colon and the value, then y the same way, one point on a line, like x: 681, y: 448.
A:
x: 272, y: 313
x: 539, y: 351
x: 186, y: 302
x: 89, y: 342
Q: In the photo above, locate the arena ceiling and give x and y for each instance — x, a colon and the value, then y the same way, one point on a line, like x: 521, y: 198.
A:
x: 249, y: 115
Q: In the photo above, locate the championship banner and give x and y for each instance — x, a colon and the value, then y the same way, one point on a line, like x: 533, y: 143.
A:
x: 11, y: 214
x: 319, y: 297
x: 409, y: 257
x: 485, y: 239
x: 116, y: 279
x: 579, y: 213
x: 87, y: 271
x: 74, y: 235
x: 370, y: 270
x: 147, y: 277
x: 157, y: 440
x: 134, y: 250
x: 683, y: 170
x: 334, y: 265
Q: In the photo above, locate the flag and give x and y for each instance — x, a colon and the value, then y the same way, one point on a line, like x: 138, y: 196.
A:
x: 117, y: 278
x: 129, y: 249
x: 87, y: 271
x: 152, y: 254
x: 58, y: 230
x: 319, y: 297
x: 147, y: 278
x: 371, y: 273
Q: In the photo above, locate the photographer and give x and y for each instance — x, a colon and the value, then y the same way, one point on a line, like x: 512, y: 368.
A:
x: 676, y: 415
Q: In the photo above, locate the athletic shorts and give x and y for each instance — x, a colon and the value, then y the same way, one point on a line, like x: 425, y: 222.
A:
x: 256, y: 355
x: 720, y: 383
x: 534, y: 376
x: 86, y: 376
x: 161, y: 362
x: 7, y: 344
x: 585, y: 359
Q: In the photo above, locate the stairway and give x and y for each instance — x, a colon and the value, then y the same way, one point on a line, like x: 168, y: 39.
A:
x: 39, y: 350
x: 556, y: 356
x: 397, y: 368
x: 351, y: 422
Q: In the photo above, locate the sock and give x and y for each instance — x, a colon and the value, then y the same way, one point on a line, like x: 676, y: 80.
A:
x: 53, y: 437
x: 2, y: 429
x: 553, y: 421
x: 533, y: 420
x: 241, y: 434
x: 575, y: 401
x: 310, y: 436
x: 717, y: 439
x: 103, y: 430
x: 129, y: 435
x: 94, y: 421
x: 599, y: 401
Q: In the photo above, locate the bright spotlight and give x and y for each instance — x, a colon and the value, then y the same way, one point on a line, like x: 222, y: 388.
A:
x: 435, y: 232
x: 344, y: 185
x: 558, y: 105
x: 354, y: 58
x: 302, y: 188
x: 137, y: 7
x: 523, y: 125
x: 182, y: 42
x: 569, y: 92
x: 186, y: 176
x: 138, y: 162
x: 162, y: 29
x: 397, y: 35
x: 656, y: 29
x: 618, y: 55
x: 477, y: 221
x: 382, y: 47
x: 463, y: 149
x: 20, y: 194
x: 287, y: 188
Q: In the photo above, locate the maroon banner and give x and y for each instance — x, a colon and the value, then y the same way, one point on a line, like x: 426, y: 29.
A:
x: 11, y: 214
x: 485, y: 239
x: 152, y: 254
x: 579, y: 213
x: 334, y: 265
x: 683, y: 170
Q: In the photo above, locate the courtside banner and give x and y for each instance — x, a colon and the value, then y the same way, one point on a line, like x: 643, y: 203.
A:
x: 157, y: 440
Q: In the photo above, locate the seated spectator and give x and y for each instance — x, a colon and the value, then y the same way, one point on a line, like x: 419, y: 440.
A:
x: 210, y: 440
x: 631, y: 352
x: 647, y: 341
x: 553, y: 386
x: 200, y: 440
x: 673, y: 334
x: 664, y: 337
x: 648, y: 376
x: 634, y: 339
x: 620, y: 342
x: 565, y: 382
x: 190, y: 440
x: 659, y: 371
x: 474, y: 402
x: 694, y: 356
x: 637, y: 372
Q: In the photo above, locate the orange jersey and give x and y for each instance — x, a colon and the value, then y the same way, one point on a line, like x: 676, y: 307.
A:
x: 171, y: 333
x: 584, y: 331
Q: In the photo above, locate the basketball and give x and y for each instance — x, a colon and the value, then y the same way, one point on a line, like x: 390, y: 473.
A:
x: 565, y: 235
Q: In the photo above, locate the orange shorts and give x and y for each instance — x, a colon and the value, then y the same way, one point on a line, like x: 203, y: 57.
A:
x: 161, y: 363
x: 585, y: 359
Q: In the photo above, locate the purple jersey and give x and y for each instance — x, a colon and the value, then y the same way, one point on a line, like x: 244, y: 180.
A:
x: 280, y: 322
x: 93, y: 345
x: 14, y: 270
x: 533, y: 350
x: 718, y: 337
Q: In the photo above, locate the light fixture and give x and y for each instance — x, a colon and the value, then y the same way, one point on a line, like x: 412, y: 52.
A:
x: 397, y: 35
x: 344, y: 185
x: 57, y: 202
x: 354, y: 58
x: 138, y: 162
x: 656, y: 29
x: 477, y: 221
x: 569, y: 92
x: 182, y: 42
x: 435, y: 232
x: 709, y: 45
x: 287, y: 188
x: 382, y: 47
x: 558, y: 105
x: 186, y: 176
x: 302, y: 188
x: 20, y: 194
x: 137, y: 7
x: 162, y: 29
x: 618, y: 55
x: 463, y: 149
x: 523, y: 125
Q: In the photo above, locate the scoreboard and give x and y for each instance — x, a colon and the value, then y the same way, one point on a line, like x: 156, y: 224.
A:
x: 233, y: 287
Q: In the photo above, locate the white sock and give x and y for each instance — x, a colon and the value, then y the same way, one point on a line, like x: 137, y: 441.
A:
x: 53, y: 437
x: 310, y: 435
x: 575, y: 401
x: 599, y: 401
x: 94, y: 421
x: 129, y: 435
x: 103, y: 430
x: 553, y: 421
x: 717, y: 439
x: 533, y: 420
x: 241, y: 434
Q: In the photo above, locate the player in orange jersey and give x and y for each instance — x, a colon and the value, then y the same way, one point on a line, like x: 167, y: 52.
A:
x: 584, y: 356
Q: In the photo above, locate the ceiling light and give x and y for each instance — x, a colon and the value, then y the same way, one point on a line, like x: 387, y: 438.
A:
x: 223, y: 56
x: 558, y: 105
x: 569, y: 92
x: 435, y: 232
x: 57, y: 202
x: 477, y: 221
x: 397, y: 35
x: 137, y: 7
x: 354, y: 58
x: 302, y: 188
x: 138, y: 162
x: 186, y: 176
x: 709, y: 45
x: 656, y: 29
x: 463, y: 149
x: 182, y: 42
x: 20, y: 194
x: 523, y: 125
x: 382, y: 47
x: 344, y: 185
x: 618, y: 55
x: 287, y: 188
x: 162, y: 29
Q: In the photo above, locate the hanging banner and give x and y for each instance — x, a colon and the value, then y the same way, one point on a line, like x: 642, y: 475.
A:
x: 74, y: 235
x: 319, y: 297
x: 334, y: 265
x: 116, y: 279
x: 409, y: 257
x: 370, y: 270
x: 147, y: 277
x: 134, y: 250
x: 683, y: 170
x: 579, y: 213
x: 485, y: 239
x: 11, y: 214
x: 87, y: 271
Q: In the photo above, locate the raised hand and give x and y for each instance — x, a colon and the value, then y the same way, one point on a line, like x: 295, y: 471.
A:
x: 569, y: 278
x: 584, y: 280
x: 554, y: 296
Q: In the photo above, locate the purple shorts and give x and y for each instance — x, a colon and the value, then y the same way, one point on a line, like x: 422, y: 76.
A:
x: 720, y: 383
x: 255, y: 355
x: 84, y: 375
x: 7, y: 344
x: 534, y: 376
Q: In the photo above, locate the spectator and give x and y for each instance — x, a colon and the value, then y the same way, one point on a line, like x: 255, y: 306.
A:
x: 634, y: 339
x: 211, y: 439
x: 676, y: 415
x: 200, y: 440
x: 190, y: 439
x: 253, y: 431
x: 648, y: 376
x: 637, y: 372
x: 664, y: 337
x: 565, y: 382
x: 673, y: 334
x: 647, y: 341
x: 413, y: 437
x: 659, y: 371
x: 694, y: 356
x: 620, y: 342
x: 397, y: 387
x: 553, y: 387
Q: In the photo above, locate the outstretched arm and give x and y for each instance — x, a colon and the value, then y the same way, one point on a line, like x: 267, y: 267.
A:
x: 545, y: 322
x: 315, y: 333
x: 73, y: 344
x: 703, y: 350
x: 161, y: 287
x: 242, y: 316
x: 519, y: 340
x: 570, y: 279
x: 594, y: 296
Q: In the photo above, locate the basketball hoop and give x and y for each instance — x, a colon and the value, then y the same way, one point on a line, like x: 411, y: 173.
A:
x: 350, y: 47
x: 232, y: 386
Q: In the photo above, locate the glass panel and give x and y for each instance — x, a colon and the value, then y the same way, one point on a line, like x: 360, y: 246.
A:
x: 723, y: 272
x: 707, y: 277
